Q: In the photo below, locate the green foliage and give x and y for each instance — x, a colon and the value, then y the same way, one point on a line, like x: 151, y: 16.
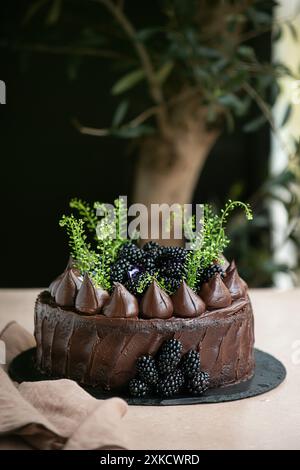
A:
x: 111, y: 231
x: 107, y: 232
x: 85, y: 258
x: 210, y: 242
x: 251, y: 244
x: 128, y: 81
x: 120, y: 113
x: 86, y: 212
x: 146, y: 279
x: 197, y: 45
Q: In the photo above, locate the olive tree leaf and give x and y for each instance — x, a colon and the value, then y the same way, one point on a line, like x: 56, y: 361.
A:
x: 54, y: 12
x: 73, y: 65
x: 33, y: 9
x: 255, y: 124
x: 120, y: 113
x: 128, y: 81
x: 246, y: 52
x: 286, y: 115
x: 163, y: 73
x: 235, y: 103
x: 147, y: 33
x: 292, y: 30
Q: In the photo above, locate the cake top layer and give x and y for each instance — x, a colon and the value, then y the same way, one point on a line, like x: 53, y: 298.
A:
x: 79, y: 293
x: 113, y: 276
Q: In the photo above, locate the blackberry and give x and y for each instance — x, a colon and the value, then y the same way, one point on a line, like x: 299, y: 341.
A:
x: 134, y: 278
x: 151, y: 246
x: 176, y: 269
x: 146, y: 368
x: 130, y: 252
x: 172, y: 284
x: 171, y: 384
x: 148, y: 262
x: 174, y: 253
x: 169, y: 356
x: 132, y: 286
x: 190, y: 364
x: 119, y: 271
x: 137, y: 388
x: 205, y: 274
x: 199, y: 383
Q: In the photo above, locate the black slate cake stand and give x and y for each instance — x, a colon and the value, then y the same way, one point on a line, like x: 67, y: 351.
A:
x: 269, y: 373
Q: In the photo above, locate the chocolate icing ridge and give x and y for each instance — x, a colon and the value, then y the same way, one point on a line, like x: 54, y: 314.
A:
x: 55, y: 283
x: 90, y: 299
x: 186, y: 303
x: 233, y: 267
x: 215, y: 294
x: 67, y: 289
x: 156, y: 303
x: 104, y: 350
x: 234, y: 284
x: 122, y: 303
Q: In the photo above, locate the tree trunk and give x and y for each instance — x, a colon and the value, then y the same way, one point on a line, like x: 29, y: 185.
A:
x: 169, y: 168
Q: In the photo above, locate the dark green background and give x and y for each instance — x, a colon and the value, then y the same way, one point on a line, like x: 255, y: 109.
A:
x: 45, y: 161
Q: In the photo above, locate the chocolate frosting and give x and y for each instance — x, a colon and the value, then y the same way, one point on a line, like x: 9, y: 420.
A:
x: 54, y: 284
x: 122, y: 304
x: 156, y: 303
x: 67, y: 289
x: 102, y: 352
x: 72, y: 265
x: 215, y: 294
x: 234, y: 283
x: 90, y: 299
x: 186, y: 303
x: 233, y: 267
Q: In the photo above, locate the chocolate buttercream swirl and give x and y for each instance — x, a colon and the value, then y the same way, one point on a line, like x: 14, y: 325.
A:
x: 233, y: 267
x: 186, y: 303
x: 156, y: 303
x: 234, y: 284
x: 90, y: 299
x: 67, y: 289
x: 54, y: 284
x: 122, y: 303
x: 215, y: 294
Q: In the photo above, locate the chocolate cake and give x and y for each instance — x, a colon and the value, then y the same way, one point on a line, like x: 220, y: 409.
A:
x: 101, y: 349
x: 97, y: 336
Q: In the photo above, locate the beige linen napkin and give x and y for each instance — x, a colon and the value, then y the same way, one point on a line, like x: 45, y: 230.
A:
x: 53, y: 414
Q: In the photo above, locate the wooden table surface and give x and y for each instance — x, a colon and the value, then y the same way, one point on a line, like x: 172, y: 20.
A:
x: 269, y: 421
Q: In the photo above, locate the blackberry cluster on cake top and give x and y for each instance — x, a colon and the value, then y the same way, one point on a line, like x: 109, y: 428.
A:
x: 153, y: 259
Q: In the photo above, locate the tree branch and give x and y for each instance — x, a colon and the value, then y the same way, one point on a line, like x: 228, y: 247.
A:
x: 258, y: 32
x: 267, y: 113
x: 90, y: 130
x: 142, y: 117
x: 65, y: 50
x: 142, y: 53
x: 135, y: 122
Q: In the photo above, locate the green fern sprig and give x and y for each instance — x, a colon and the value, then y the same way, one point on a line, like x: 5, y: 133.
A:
x: 86, y: 212
x: 85, y: 258
x: 229, y: 207
x: 121, y: 220
x: 110, y: 229
x: 212, y: 240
